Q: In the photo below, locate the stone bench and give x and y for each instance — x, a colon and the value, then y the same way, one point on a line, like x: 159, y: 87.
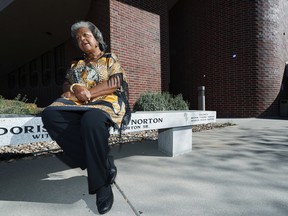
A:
x: 174, y: 128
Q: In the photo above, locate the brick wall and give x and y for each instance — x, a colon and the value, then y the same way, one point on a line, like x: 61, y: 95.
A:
x: 217, y: 44
x: 272, y: 53
x: 136, y: 38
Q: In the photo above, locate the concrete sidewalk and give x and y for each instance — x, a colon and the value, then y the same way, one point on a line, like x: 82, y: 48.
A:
x: 236, y: 170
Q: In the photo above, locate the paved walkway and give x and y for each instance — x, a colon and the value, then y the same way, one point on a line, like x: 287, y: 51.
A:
x: 237, y: 170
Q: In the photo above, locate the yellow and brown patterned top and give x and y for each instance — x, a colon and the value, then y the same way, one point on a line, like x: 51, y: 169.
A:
x: 91, y: 74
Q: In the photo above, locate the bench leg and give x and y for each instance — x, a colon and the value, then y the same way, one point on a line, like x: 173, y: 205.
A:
x: 175, y: 141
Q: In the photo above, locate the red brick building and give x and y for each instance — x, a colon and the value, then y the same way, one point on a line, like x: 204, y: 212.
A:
x: 236, y: 49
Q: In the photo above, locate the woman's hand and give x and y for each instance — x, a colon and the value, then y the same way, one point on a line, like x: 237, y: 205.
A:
x: 82, y: 93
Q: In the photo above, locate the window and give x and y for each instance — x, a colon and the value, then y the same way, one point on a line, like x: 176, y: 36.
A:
x: 46, y: 61
x: 12, y: 80
x: 22, y: 75
x: 33, y: 73
x: 60, y: 69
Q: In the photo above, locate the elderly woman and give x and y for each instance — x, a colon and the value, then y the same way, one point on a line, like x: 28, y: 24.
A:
x: 95, y: 97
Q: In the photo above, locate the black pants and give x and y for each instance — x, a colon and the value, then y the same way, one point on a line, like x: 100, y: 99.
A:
x: 83, y: 136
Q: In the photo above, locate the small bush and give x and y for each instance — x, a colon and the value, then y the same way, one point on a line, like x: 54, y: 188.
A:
x: 156, y: 101
x: 18, y: 106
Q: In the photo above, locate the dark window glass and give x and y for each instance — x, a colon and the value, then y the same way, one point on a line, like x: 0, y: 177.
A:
x: 46, y: 61
x: 60, y: 69
x: 22, y: 75
x: 12, y: 80
x: 33, y: 73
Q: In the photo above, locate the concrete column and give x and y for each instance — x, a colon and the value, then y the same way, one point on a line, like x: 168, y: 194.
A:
x: 201, y: 98
x: 175, y: 141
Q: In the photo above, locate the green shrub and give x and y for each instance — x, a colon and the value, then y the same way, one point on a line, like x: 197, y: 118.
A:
x: 156, y: 101
x: 18, y: 106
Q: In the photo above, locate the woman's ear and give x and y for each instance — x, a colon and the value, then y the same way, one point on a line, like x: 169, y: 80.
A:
x: 97, y: 44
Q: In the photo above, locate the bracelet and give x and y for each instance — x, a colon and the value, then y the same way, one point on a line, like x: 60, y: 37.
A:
x: 75, y: 84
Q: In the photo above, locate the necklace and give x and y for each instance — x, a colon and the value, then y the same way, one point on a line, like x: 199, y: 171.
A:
x: 94, y: 58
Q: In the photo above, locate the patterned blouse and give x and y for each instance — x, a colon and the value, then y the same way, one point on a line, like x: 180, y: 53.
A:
x: 91, y: 74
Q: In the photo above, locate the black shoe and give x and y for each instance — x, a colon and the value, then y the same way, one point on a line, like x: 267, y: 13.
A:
x: 112, y: 170
x: 105, y: 199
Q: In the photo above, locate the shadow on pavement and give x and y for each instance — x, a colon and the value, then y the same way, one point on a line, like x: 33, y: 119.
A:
x: 237, y: 170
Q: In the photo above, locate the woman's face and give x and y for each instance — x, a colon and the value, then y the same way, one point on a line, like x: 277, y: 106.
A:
x: 86, y: 41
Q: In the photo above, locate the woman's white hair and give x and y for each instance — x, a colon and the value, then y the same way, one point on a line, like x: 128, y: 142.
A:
x: 95, y: 31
